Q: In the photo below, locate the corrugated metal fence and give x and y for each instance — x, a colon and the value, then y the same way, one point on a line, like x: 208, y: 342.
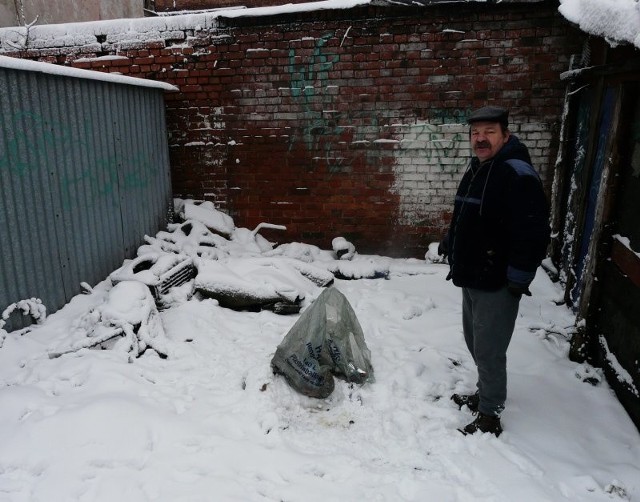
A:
x: 84, y: 175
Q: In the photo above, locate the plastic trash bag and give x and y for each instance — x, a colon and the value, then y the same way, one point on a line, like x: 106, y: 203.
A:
x: 326, y: 340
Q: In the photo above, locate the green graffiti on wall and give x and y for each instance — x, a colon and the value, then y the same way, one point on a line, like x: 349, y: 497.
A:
x: 37, y: 148
x: 319, y: 131
x: 447, y: 150
x: 305, y: 77
x: 28, y: 136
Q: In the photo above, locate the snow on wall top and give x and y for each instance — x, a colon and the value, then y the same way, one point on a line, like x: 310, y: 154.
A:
x: 618, y: 21
x: 52, y: 69
x: 301, y: 7
x: 143, y: 29
x: 88, y: 33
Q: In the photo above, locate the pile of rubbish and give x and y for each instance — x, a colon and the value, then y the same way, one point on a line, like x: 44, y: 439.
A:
x: 204, y: 255
x: 212, y: 258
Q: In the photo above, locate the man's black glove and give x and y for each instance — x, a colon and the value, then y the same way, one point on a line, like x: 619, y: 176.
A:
x: 442, y: 248
x: 518, y: 290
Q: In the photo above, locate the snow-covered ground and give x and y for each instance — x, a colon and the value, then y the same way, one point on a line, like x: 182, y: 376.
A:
x: 212, y: 423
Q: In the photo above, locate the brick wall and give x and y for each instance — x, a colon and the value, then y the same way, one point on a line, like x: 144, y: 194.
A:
x: 341, y: 123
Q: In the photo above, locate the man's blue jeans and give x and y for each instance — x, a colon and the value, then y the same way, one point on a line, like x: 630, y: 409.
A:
x: 488, y: 319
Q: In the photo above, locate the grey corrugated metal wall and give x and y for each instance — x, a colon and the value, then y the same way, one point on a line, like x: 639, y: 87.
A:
x: 84, y: 174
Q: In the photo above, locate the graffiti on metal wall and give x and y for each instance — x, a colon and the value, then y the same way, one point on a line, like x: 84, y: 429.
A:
x: 52, y: 150
x: 106, y: 182
x: 36, y: 139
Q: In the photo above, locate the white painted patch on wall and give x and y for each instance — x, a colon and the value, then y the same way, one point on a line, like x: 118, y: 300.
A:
x: 431, y: 159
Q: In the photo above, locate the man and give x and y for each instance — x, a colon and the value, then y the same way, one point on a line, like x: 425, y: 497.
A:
x: 497, y: 239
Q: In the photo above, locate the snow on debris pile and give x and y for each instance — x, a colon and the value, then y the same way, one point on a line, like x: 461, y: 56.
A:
x: 205, y: 256
x: 343, y: 265
x: 365, y: 268
x: 206, y: 213
x: 256, y: 283
x: 344, y: 249
x: 127, y: 321
x: 241, y: 269
x: 160, y: 272
x: 618, y: 21
x: 190, y: 238
x: 32, y: 307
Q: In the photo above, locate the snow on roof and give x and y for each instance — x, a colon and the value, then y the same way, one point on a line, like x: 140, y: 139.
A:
x: 618, y: 21
x: 52, y: 69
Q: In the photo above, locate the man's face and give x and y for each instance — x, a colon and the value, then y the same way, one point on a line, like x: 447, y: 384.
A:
x: 487, y: 138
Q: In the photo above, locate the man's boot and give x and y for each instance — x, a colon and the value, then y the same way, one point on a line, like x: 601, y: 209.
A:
x: 470, y: 400
x: 483, y: 423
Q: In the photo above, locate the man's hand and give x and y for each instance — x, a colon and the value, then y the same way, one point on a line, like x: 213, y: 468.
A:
x: 442, y: 247
x: 518, y: 290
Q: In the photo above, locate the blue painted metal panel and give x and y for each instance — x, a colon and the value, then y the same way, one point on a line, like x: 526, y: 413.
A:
x: 593, y: 192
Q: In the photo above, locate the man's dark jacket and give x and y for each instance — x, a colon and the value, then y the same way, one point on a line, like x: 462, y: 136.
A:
x: 499, y: 231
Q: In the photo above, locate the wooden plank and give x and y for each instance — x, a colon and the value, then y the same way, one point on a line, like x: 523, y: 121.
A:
x: 627, y: 261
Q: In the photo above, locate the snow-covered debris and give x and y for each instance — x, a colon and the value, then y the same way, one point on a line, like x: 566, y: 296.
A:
x: 206, y: 232
x: 363, y: 268
x: 253, y: 283
x: 191, y: 238
x: 319, y: 276
x: 211, y: 239
x: 618, y: 21
x: 206, y: 213
x: 32, y: 307
x: 432, y: 255
x: 162, y: 273
x: 251, y: 241
x: 128, y: 321
x: 300, y: 251
x: 152, y: 269
x: 344, y: 249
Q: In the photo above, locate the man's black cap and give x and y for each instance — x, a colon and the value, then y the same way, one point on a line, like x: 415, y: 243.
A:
x: 490, y: 114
